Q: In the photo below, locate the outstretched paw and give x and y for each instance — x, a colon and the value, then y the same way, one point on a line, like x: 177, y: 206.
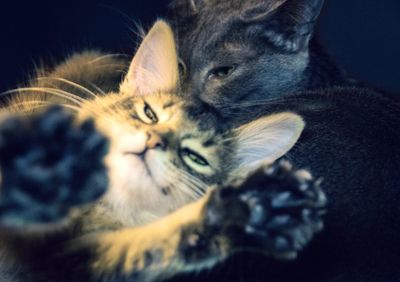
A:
x: 277, y: 211
x: 48, y: 166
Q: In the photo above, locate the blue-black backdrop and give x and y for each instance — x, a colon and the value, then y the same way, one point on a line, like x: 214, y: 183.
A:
x: 363, y: 35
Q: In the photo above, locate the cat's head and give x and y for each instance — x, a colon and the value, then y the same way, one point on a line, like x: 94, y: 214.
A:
x: 166, y: 152
x: 244, y: 50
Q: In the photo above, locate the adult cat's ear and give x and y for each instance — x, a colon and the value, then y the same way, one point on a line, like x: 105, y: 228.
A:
x: 155, y: 65
x: 265, y: 140
x: 288, y: 24
x: 186, y: 7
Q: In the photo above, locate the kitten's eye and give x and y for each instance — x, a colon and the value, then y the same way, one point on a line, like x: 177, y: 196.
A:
x: 192, y: 158
x: 221, y: 72
x: 148, y: 115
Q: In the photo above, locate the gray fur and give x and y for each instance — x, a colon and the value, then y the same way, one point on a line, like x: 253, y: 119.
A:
x: 266, y: 41
x: 351, y: 136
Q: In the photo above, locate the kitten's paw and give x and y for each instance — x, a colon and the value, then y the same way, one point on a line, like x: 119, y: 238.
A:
x: 277, y: 210
x: 49, y: 165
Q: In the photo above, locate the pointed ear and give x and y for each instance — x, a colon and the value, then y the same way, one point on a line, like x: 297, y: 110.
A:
x: 184, y: 8
x: 265, y: 140
x: 155, y: 65
x: 288, y: 24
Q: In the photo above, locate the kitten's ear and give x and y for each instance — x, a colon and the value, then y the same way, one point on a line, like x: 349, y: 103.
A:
x: 155, y: 65
x: 265, y: 140
x: 288, y: 24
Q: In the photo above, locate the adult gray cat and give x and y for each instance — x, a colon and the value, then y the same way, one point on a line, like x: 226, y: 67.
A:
x: 238, y: 39
x: 249, y: 58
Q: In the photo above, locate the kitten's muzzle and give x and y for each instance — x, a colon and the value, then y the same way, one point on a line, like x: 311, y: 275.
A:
x: 155, y: 141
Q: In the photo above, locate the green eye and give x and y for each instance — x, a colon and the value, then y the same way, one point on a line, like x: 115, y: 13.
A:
x: 150, y: 113
x: 194, y: 157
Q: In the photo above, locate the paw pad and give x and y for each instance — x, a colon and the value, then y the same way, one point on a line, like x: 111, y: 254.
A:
x: 49, y: 165
x: 277, y: 209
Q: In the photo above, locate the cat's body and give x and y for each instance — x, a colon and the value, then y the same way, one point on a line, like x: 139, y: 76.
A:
x: 156, y: 218
x: 249, y: 58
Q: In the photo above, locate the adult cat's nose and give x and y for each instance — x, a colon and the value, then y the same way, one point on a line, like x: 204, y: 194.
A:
x: 155, y: 141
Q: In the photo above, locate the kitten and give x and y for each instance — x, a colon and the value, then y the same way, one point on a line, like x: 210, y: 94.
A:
x: 160, y: 214
x: 251, y: 58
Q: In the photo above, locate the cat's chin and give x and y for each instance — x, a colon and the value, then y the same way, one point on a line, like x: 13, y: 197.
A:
x: 132, y: 173
x: 133, y: 193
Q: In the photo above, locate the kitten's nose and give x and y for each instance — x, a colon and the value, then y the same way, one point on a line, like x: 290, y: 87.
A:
x: 154, y: 141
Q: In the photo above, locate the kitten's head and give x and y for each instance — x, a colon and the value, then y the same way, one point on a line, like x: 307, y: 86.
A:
x: 166, y: 152
x: 244, y: 50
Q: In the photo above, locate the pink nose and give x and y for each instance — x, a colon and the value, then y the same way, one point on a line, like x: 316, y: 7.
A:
x: 154, y: 141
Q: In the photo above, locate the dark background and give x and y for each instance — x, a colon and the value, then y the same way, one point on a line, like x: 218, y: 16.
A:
x: 363, y: 35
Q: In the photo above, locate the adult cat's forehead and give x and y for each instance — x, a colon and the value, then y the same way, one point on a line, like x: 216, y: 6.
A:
x: 217, y: 43
x: 214, y: 22
x: 211, y: 9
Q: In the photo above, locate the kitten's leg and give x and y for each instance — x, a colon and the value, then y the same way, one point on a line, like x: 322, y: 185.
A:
x: 49, y: 164
x: 277, y: 212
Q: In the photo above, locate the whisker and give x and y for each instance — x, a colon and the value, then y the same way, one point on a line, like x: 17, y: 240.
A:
x: 92, y: 108
x: 71, y: 107
x: 106, y: 57
x: 56, y: 92
x: 76, y: 85
x: 98, y: 89
x: 122, y: 66
x: 34, y: 105
x: 250, y: 103
x: 191, y: 183
x: 185, y: 188
x: 261, y: 102
x: 24, y: 106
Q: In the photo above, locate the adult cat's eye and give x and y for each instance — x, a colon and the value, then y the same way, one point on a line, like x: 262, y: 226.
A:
x: 190, y: 157
x: 221, y: 72
x: 181, y: 68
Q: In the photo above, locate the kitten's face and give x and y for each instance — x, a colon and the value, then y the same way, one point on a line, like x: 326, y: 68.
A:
x: 159, y: 158
x: 165, y: 151
x: 243, y: 51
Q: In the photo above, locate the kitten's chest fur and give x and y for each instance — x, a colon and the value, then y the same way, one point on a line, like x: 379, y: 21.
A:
x: 120, y: 210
